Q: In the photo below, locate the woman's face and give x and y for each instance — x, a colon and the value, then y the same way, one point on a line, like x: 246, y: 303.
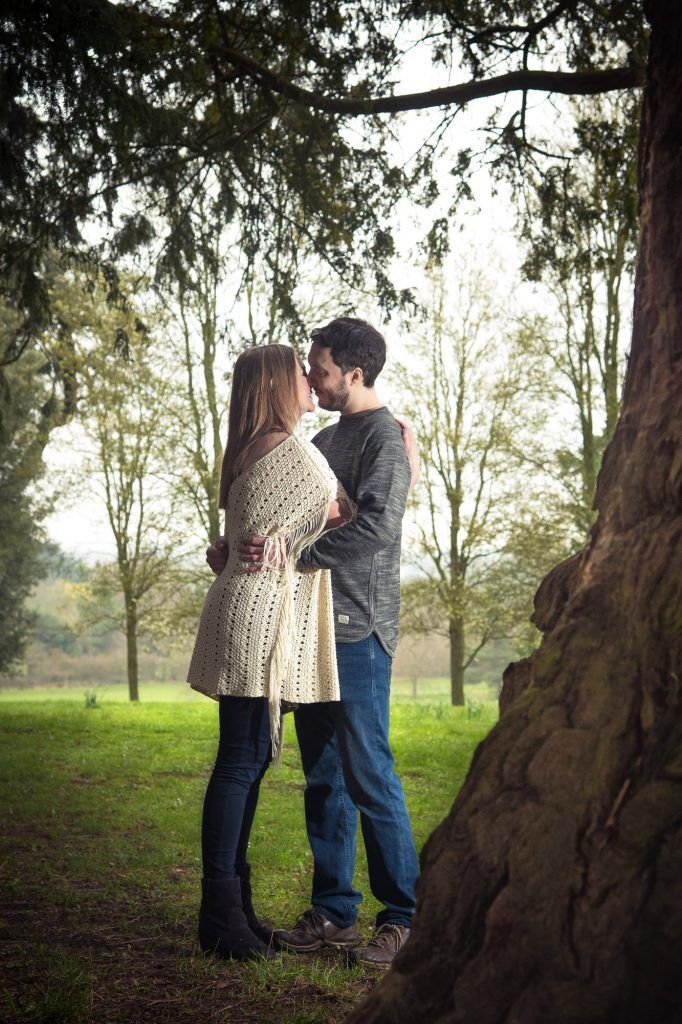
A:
x: 304, y: 392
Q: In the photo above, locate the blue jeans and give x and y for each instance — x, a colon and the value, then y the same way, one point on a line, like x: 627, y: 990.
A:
x: 244, y: 754
x: 349, y: 767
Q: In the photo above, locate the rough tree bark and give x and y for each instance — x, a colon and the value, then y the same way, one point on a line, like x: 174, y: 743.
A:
x: 553, y: 890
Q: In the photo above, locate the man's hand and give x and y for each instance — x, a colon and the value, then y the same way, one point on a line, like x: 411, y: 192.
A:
x: 251, y: 550
x: 412, y: 453
x: 216, y: 555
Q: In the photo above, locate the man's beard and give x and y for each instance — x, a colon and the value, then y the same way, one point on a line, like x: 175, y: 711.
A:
x: 336, y: 401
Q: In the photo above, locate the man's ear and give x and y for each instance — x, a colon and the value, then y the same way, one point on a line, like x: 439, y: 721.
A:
x: 357, y: 376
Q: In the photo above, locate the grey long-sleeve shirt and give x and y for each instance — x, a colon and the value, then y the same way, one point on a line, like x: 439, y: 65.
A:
x: 366, y: 452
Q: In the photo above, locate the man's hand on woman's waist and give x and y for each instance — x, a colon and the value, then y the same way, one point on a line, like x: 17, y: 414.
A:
x: 250, y: 551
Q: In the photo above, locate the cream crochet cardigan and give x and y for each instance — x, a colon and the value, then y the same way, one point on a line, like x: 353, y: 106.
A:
x: 271, y: 633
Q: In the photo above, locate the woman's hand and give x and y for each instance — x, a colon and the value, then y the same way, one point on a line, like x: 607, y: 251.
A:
x: 412, y: 453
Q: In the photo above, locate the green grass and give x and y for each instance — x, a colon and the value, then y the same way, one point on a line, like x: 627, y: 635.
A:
x: 429, y: 691
x: 106, y: 693
x: 100, y: 865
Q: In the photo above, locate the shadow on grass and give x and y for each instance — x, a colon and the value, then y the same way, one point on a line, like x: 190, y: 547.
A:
x: 97, y: 960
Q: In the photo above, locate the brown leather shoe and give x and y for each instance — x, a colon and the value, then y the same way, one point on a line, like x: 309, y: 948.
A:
x: 379, y: 953
x: 313, y: 931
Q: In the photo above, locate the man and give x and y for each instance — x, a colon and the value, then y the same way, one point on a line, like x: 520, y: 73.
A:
x: 345, y: 750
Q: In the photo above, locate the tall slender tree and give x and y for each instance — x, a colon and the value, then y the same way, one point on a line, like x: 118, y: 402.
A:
x: 465, y: 387
x: 125, y: 423
x: 580, y: 229
x: 127, y: 412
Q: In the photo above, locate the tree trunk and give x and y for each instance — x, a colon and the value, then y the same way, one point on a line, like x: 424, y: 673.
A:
x: 589, y: 468
x: 457, y: 663
x: 553, y: 890
x: 131, y: 647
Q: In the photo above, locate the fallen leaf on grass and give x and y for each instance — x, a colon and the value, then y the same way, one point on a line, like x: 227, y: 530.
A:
x: 175, y: 874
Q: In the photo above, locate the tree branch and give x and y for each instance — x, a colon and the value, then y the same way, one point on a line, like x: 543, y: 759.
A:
x: 577, y: 83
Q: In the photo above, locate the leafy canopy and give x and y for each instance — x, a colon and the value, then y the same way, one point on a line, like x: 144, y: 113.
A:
x: 122, y: 113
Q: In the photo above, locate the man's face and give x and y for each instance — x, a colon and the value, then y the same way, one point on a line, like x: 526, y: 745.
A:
x: 328, y: 381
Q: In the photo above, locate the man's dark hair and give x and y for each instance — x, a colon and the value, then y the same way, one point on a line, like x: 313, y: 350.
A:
x: 353, y: 343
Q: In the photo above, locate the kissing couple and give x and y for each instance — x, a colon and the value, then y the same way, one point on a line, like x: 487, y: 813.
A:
x: 303, y: 615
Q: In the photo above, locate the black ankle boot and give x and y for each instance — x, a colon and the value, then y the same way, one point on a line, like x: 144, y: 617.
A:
x: 223, y: 928
x: 258, y: 929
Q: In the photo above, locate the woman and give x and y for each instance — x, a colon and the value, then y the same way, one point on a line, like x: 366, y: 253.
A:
x: 264, y: 638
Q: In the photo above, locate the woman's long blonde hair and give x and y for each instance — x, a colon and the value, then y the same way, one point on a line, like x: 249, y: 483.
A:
x: 264, y: 398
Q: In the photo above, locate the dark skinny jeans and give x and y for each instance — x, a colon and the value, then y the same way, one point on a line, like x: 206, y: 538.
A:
x: 244, y: 753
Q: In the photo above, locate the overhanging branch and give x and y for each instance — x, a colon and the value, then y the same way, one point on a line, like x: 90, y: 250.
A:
x: 575, y: 83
